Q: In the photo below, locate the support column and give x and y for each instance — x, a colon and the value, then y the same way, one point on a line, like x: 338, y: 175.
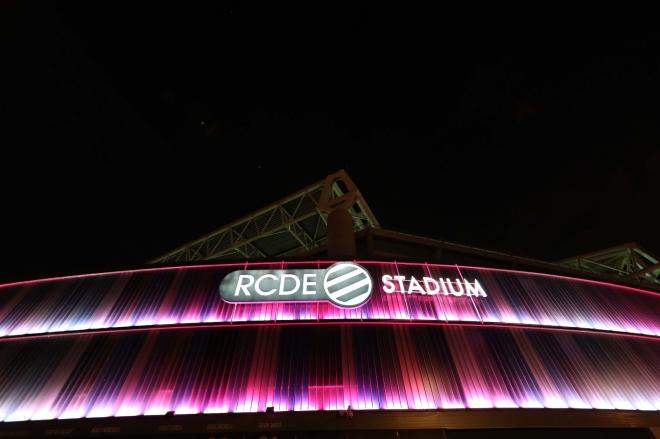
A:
x: 341, y: 237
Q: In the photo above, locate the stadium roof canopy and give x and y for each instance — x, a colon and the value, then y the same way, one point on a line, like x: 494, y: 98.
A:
x: 296, y: 226
x: 290, y: 226
x: 628, y: 260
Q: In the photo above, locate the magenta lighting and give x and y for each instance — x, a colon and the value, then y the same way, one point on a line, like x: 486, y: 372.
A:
x: 300, y: 336
x: 190, y: 295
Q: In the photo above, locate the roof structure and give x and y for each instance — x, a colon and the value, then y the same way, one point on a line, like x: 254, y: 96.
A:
x: 294, y: 224
x: 628, y: 260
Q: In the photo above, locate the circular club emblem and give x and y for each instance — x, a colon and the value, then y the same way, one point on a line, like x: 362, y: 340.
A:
x: 347, y: 285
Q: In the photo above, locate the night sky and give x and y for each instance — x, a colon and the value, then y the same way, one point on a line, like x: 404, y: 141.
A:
x: 128, y: 130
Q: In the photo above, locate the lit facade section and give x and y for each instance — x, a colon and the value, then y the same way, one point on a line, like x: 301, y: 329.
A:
x: 530, y: 341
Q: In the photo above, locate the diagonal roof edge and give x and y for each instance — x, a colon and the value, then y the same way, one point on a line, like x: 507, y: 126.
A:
x: 246, y: 237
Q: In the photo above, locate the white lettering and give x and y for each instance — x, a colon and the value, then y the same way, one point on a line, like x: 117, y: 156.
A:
x: 388, y: 285
x: 455, y: 292
x: 474, y: 289
x: 244, y: 288
x: 415, y: 287
x: 429, y: 290
x: 444, y: 287
x: 283, y: 279
x: 257, y: 285
x: 308, y: 283
x: 400, y: 280
x: 304, y: 285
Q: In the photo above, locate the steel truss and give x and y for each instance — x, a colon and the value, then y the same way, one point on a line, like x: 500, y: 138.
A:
x: 293, y: 224
x: 628, y: 260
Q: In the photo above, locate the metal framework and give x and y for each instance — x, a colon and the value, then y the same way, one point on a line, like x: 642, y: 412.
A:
x: 628, y: 260
x: 297, y: 223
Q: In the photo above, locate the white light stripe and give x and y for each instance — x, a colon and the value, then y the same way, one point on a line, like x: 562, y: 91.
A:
x: 349, y: 289
x: 343, y: 277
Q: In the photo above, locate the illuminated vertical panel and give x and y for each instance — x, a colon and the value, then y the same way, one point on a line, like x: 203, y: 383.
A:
x: 189, y: 295
x: 32, y: 377
x: 349, y: 380
x: 327, y: 367
x: 457, y: 305
x: 476, y: 389
x: 99, y: 315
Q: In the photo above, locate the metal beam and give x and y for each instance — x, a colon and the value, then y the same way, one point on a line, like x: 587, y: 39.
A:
x: 628, y: 260
x: 285, y: 221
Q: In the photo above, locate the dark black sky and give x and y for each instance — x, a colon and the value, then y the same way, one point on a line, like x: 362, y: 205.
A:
x: 130, y: 129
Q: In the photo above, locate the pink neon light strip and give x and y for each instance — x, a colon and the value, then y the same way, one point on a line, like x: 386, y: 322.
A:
x: 284, y: 323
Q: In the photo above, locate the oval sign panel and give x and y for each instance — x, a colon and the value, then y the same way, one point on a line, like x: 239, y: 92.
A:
x: 344, y: 284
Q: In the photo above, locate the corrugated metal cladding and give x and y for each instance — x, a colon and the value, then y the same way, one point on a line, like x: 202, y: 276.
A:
x: 156, y: 341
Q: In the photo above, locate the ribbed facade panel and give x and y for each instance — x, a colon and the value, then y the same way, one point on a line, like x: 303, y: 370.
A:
x: 190, y: 295
x: 149, y: 342
x: 323, y: 367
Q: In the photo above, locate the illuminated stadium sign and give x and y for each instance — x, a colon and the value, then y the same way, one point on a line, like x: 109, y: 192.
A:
x: 344, y: 284
x: 430, y: 286
x: 295, y: 336
x: 305, y: 291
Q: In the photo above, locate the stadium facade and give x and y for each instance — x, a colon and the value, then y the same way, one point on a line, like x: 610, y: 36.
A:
x: 287, y: 324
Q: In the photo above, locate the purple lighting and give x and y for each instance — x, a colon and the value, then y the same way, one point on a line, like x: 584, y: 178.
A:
x: 327, y: 367
x: 149, y: 342
x: 189, y: 295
